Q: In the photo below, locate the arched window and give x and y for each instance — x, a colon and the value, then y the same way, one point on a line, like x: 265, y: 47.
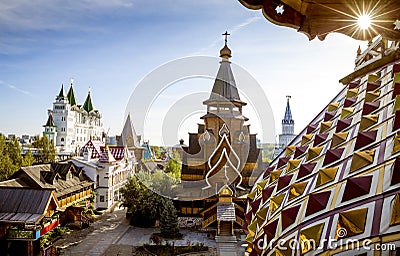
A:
x: 62, y: 139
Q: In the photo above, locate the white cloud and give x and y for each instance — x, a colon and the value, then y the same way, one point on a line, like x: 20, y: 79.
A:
x: 231, y: 30
x: 13, y: 87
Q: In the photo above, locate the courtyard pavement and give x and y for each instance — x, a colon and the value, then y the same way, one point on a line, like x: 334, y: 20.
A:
x: 112, y: 230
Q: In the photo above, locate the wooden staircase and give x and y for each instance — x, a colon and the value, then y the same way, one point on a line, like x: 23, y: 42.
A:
x: 225, y: 228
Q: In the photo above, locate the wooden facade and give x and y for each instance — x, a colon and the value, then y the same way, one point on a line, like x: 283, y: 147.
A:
x: 222, y: 154
x: 35, y: 200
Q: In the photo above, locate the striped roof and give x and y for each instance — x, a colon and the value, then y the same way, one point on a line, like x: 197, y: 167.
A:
x: 106, y: 156
x: 95, y: 147
x: 24, y: 205
x: 117, y: 152
x: 98, y: 148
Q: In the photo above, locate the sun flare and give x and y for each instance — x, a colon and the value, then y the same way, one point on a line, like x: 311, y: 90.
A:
x: 364, y: 21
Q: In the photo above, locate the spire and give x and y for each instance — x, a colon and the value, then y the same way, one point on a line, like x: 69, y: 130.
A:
x: 224, y: 88
x: 88, y: 106
x: 71, y: 94
x: 50, y: 121
x: 129, y: 136
x: 288, y: 113
x: 359, y: 51
x: 61, y: 93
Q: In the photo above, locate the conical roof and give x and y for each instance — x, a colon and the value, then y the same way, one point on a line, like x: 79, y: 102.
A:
x: 224, y: 88
x: 88, y: 105
x: 129, y: 137
x: 61, y: 93
x: 50, y: 121
x: 287, y: 119
x: 71, y: 96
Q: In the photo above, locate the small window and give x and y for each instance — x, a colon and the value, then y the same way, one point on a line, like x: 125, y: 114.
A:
x: 101, y: 198
x: 62, y: 139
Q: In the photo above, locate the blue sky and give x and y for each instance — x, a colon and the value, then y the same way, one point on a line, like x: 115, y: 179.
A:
x: 110, y: 45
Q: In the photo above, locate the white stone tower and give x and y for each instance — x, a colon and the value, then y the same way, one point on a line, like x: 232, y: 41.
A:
x: 50, y: 130
x: 287, y: 134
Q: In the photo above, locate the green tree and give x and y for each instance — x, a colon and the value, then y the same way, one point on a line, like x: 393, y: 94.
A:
x: 156, y: 151
x: 7, y: 168
x: 46, y: 152
x: 174, y: 166
x: 163, y: 184
x: 28, y: 159
x: 140, y: 200
x: 142, y: 195
x: 169, y: 227
x: 10, y: 157
x: 13, y: 150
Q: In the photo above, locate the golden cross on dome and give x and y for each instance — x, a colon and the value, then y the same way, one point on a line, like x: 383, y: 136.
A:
x: 226, y: 34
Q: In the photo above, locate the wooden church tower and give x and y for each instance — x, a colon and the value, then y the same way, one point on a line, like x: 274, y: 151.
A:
x: 221, y: 156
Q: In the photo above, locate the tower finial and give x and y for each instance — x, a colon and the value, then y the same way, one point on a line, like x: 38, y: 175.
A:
x: 288, y: 97
x: 226, y: 34
x: 72, y: 80
x: 225, y: 52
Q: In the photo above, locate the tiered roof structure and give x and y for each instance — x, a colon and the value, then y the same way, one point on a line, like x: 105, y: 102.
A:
x: 223, y: 145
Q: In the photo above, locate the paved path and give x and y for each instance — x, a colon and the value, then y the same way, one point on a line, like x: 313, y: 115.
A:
x: 105, y: 232
x: 227, y: 246
x: 112, y: 235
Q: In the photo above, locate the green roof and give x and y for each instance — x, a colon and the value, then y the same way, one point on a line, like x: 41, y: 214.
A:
x: 71, y: 96
x: 61, y: 93
x: 88, y: 106
x: 50, y: 121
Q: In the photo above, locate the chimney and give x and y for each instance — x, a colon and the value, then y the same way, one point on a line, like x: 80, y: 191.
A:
x: 87, y: 154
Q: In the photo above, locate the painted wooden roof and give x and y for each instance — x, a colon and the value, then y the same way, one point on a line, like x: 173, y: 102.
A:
x: 22, y: 205
x: 339, y: 178
x: 318, y: 18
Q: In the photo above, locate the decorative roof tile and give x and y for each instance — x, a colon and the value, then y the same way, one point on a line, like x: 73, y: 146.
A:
x: 356, y: 187
x: 289, y: 216
x: 353, y: 221
x: 365, y: 138
x: 343, y: 124
x: 362, y: 159
x: 317, y: 202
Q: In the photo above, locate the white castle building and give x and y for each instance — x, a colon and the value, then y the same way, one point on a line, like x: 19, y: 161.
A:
x: 71, y: 125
